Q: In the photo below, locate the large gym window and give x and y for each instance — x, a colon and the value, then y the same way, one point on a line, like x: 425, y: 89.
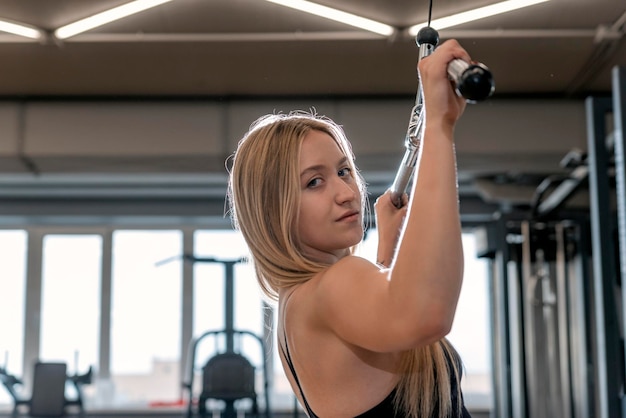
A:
x: 145, y: 317
x: 70, y: 301
x: 12, y: 298
x: 142, y: 282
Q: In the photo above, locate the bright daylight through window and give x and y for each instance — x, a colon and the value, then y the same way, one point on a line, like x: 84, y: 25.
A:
x: 146, y: 354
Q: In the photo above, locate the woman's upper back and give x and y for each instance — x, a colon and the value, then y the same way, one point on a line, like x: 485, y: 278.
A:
x: 334, y: 375
x: 333, y: 378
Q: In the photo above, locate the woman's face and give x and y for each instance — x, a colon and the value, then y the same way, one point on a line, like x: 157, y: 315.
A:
x: 330, y: 207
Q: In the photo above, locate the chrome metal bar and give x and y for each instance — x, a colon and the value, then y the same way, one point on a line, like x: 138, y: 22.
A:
x: 471, y: 81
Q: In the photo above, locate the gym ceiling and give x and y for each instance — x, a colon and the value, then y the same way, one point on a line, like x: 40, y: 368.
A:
x: 215, y: 49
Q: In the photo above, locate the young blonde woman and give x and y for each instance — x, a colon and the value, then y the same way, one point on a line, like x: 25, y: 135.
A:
x: 358, y: 338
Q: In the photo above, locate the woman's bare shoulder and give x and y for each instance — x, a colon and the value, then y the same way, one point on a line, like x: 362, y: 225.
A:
x: 347, y: 271
x: 341, y: 275
x: 336, y: 288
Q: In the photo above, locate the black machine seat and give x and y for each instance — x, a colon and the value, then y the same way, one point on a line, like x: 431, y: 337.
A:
x: 228, y: 377
x: 48, y: 397
x: 48, y: 391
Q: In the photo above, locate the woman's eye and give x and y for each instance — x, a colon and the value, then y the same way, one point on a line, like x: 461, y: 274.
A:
x: 344, y: 172
x: 314, y: 182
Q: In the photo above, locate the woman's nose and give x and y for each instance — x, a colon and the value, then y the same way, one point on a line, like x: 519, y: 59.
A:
x: 345, y: 192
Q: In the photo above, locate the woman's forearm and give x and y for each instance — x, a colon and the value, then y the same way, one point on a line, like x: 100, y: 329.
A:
x: 427, y: 274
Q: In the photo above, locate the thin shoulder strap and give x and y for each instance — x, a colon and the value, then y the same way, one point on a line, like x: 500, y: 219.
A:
x: 285, y: 349
x: 295, y: 376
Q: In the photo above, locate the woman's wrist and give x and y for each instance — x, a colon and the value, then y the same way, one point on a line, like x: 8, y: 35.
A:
x: 384, y: 258
x: 439, y: 128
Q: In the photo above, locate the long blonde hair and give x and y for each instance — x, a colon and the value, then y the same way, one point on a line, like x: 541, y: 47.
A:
x: 264, y: 196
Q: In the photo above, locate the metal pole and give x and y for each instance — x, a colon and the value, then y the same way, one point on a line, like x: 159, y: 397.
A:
x: 32, y: 317
x: 229, y: 315
x: 606, y: 330
x: 229, y: 305
x: 563, y: 319
x: 619, y: 115
x: 502, y: 374
x: 578, y: 275
x: 186, y: 335
x: 535, y: 385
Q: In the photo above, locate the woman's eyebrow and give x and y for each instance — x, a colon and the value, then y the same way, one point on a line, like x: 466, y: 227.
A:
x: 312, y: 168
x: 319, y: 167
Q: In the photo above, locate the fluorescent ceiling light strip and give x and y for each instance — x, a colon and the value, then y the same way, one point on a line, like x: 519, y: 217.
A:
x: 20, y: 30
x: 225, y: 37
x: 106, y: 17
x: 337, y: 15
x: 475, y: 14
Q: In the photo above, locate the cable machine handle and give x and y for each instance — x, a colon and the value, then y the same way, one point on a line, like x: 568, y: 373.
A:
x: 473, y: 81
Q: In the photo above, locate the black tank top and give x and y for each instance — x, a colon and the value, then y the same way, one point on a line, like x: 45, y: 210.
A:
x: 385, y: 409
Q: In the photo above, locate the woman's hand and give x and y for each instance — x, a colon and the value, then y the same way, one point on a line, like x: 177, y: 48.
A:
x: 442, y: 104
x: 389, y: 221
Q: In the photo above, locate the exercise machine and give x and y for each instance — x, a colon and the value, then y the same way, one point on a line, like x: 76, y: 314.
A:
x: 48, y: 395
x: 227, y: 376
